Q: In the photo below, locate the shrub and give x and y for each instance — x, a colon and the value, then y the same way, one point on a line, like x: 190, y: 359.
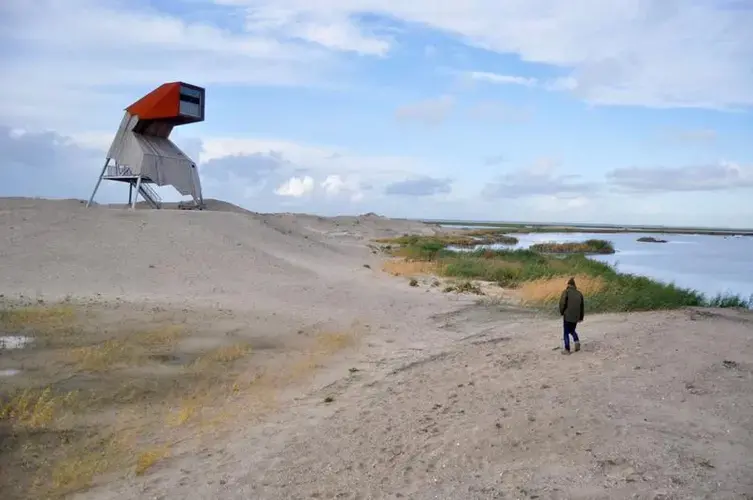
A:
x: 728, y: 300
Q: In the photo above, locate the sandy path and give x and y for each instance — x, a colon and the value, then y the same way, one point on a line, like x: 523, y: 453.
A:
x: 649, y: 409
x: 451, y: 400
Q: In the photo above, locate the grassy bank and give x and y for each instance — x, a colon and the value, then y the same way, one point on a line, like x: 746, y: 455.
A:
x: 456, y: 239
x: 585, y: 247
x: 540, y: 278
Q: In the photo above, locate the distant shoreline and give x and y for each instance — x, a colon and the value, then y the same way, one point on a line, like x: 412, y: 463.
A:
x: 596, y: 228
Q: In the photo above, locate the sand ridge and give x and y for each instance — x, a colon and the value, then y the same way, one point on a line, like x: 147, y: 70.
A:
x: 268, y: 262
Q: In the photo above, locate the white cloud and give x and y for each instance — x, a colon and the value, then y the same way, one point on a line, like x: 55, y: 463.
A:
x: 214, y: 148
x: 538, y: 179
x: 93, y: 140
x: 296, y: 187
x: 627, y: 52
x: 324, y: 160
x: 337, y: 174
x: 559, y: 205
x: 566, y: 83
x: 331, y: 30
x: 49, y: 165
x: 430, y: 111
x: 722, y: 176
x: 420, y: 186
x: 559, y: 84
x: 119, y: 45
x: 484, y: 76
x: 334, y: 186
x: 634, y: 52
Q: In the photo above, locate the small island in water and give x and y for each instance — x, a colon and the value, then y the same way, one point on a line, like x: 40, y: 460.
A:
x: 584, y: 247
x: 650, y: 239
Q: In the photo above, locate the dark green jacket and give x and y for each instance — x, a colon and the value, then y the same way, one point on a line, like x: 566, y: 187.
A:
x: 572, y: 307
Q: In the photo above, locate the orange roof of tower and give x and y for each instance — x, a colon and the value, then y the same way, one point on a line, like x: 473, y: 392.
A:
x: 162, y: 102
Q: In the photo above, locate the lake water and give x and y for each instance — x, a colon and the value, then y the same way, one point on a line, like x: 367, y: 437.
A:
x: 709, y: 264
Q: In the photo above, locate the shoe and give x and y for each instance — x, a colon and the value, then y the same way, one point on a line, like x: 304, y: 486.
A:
x: 577, y: 346
x: 565, y: 351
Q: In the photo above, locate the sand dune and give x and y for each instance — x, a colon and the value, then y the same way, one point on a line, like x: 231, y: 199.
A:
x: 230, y: 256
x: 447, y: 398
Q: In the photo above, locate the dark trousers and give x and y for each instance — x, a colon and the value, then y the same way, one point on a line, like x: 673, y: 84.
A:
x: 570, y: 330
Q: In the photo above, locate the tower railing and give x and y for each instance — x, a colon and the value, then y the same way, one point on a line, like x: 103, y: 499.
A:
x: 119, y: 171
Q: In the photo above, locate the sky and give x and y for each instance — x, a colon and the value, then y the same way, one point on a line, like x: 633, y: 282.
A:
x: 599, y: 111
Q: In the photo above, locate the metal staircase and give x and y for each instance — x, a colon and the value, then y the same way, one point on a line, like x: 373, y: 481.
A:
x: 150, y: 195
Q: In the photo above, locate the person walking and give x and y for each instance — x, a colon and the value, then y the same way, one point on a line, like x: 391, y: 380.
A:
x: 572, y: 310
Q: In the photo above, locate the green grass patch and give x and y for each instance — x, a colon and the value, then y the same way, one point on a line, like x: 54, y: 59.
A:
x: 511, y: 268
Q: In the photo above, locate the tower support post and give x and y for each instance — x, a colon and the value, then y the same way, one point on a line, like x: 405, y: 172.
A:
x: 99, y: 181
x: 136, y: 194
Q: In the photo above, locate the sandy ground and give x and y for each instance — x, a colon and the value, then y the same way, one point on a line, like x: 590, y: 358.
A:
x: 441, y: 396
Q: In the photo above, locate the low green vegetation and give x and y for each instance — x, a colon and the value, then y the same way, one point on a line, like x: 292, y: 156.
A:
x: 650, y: 239
x: 463, y: 239
x: 586, y: 247
x: 540, y: 276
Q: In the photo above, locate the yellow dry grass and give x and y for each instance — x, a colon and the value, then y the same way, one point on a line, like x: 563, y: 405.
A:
x: 211, y: 393
x: 189, y: 406
x: 131, y: 349
x: 222, y: 355
x: 163, y: 336
x: 228, y: 354
x: 102, y: 357
x: 326, y: 344
x: 400, y: 267
x: 34, y: 409
x: 149, y: 458
x: 212, y: 404
x: 332, y: 342
x: 77, y: 470
x: 67, y: 466
x: 185, y: 412
x: 256, y: 394
x: 549, y: 290
x: 41, y: 319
